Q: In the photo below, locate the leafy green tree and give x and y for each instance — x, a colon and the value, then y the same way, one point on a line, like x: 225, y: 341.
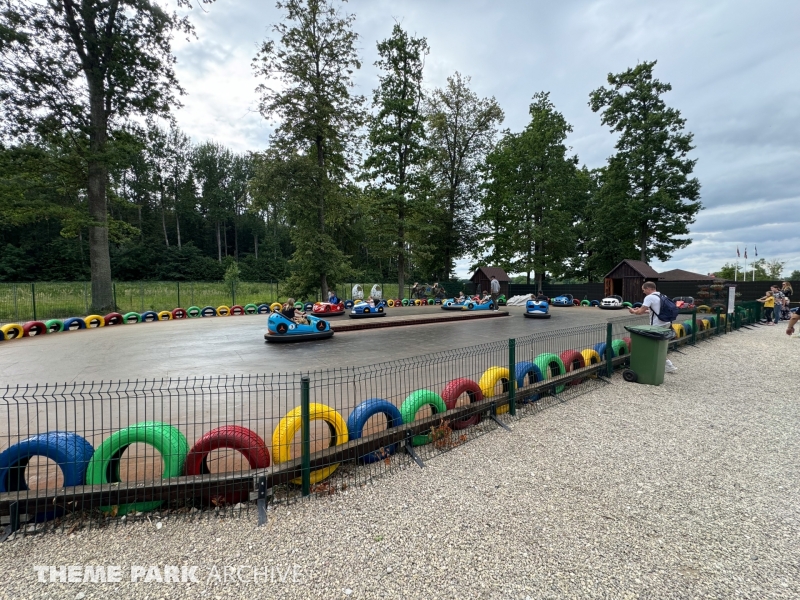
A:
x: 309, y: 72
x: 794, y: 275
x: 532, y: 196
x: 83, y: 67
x: 461, y: 131
x: 397, y: 142
x: 762, y: 269
x: 655, y: 197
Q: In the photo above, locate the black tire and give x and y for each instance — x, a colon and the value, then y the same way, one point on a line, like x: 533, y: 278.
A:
x: 320, y: 325
x: 380, y: 310
x: 630, y: 376
x: 366, y: 310
x: 471, y: 306
x: 282, y: 328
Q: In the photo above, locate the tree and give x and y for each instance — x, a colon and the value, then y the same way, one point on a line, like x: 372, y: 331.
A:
x: 397, y: 140
x: 531, y: 196
x: 761, y: 269
x: 83, y: 67
x: 461, y: 130
x: 794, y: 275
x: 309, y: 69
x: 652, y: 160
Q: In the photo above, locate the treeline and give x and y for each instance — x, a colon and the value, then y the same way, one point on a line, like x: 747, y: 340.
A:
x: 393, y: 187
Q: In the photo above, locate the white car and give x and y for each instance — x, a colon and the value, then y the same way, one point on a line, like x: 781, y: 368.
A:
x: 611, y: 303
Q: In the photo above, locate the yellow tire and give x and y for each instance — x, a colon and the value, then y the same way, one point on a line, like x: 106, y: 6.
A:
x: 275, y: 306
x: 591, y: 357
x: 164, y: 315
x: 489, y: 380
x: 706, y: 323
x: 223, y: 311
x: 284, y: 434
x: 678, y: 329
x: 703, y: 309
x: 357, y: 301
x: 12, y: 331
x: 94, y: 321
x: 390, y: 302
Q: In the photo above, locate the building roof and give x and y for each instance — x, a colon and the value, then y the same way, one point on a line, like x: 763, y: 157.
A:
x: 640, y: 267
x: 681, y: 275
x: 499, y: 273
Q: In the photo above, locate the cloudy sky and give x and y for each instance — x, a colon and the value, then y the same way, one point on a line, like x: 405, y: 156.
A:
x: 733, y: 66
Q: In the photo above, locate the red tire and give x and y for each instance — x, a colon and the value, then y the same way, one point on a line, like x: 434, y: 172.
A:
x: 32, y: 328
x: 243, y: 440
x: 237, y: 310
x: 179, y: 313
x: 572, y: 360
x: 627, y: 341
x: 114, y: 318
x: 576, y: 302
x: 453, y: 390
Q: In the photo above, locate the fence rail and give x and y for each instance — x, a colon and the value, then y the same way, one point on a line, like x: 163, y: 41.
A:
x: 97, y: 451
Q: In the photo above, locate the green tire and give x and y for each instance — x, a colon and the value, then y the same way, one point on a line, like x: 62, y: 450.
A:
x: 414, y: 403
x: 132, y: 317
x: 54, y: 325
x: 193, y: 312
x: 619, y: 347
x: 547, y: 363
x: 627, y: 305
x: 405, y: 301
x: 299, y: 305
x: 585, y: 303
x: 250, y: 309
x: 104, y: 466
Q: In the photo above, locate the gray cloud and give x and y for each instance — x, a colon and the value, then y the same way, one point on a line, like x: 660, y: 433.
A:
x: 731, y: 64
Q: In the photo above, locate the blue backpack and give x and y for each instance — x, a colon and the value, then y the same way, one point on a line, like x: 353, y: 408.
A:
x: 669, y: 310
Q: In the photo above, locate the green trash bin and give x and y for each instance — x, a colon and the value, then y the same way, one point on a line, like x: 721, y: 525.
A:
x: 648, y: 353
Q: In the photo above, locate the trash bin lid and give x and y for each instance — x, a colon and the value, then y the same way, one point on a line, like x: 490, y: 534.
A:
x: 652, y: 331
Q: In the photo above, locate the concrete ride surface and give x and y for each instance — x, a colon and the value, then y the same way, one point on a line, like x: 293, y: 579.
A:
x: 235, y: 346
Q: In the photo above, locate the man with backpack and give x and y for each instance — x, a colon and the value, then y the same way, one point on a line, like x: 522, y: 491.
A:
x: 494, y: 286
x: 663, y: 312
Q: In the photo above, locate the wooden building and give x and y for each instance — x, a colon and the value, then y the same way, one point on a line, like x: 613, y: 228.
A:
x: 627, y: 278
x: 482, y: 279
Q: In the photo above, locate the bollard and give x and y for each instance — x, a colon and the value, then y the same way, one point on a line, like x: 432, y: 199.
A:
x: 694, y: 326
x: 33, y: 298
x: 609, y: 350
x: 512, y: 382
x: 179, y: 293
x: 305, y: 444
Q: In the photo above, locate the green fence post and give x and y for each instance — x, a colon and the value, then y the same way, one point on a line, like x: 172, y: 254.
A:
x: 512, y: 380
x: 609, y: 349
x: 141, y: 295
x: 191, y: 293
x: 33, y: 299
x: 305, y: 444
x: 694, y: 326
x: 86, y: 297
x: 179, y: 293
x: 719, y: 312
x: 16, y: 308
x: 114, y: 291
x: 233, y: 293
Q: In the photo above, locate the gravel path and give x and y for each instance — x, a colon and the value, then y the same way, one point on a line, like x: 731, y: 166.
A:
x: 686, y: 490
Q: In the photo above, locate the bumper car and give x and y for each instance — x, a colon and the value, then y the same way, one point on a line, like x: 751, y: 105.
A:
x: 501, y: 300
x: 453, y: 304
x: 684, y: 302
x: 537, y: 309
x: 365, y: 311
x: 327, y: 309
x: 475, y: 305
x: 611, y: 303
x: 563, y: 300
x: 283, y: 330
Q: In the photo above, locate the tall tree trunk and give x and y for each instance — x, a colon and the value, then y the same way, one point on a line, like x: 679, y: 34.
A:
x: 225, y: 235
x: 178, y: 229
x: 219, y: 245
x: 141, y: 229
x: 235, y: 240
x: 255, y: 244
x: 323, y: 277
x: 164, y: 223
x: 99, y: 256
x: 401, y: 250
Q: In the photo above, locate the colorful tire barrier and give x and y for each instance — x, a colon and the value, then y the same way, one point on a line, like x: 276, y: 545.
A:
x: 704, y: 324
x: 193, y: 312
x: 627, y: 341
x: 398, y: 302
x: 679, y: 330
x: 308, y: 306
x: 551, y: 366
x: 12, y: 331
x: 601, y: 350
x: 430, y: 302
x: 263, y: 309
x: 132, y: 317
x: 490, y: 378
x: 591, y: 357
x: 390, y: 303
x: 148, y: 316
x: 290, y: 424
x: 576, y: 302
x: 237, y: 310
x: 300, y: 306
x: 573, y: 360
x: 179, y: 313
x: 405, y: 301
x: 34, y: 328
x: 637, y: 305
x: 595, y: 303
x: 69, y: 451
x: 54, y: 325
x: 527, y: 373
x: 348, y: 304
x: 453, y: 391
x: 359, y: 417
x: 94, y: 321
x: 250, y: 309
x: 208, y: 311
x: 585, y: 303
x: 74, y: 324
x: 223, y: 311
x: 232, y: 437
x: 687, y: 326
x: 627, y: 305
x: 413, y: 403
x: 114, y: 318
x: 619, y: 347
x: 275, y: 307
x: 165, y: 315
x: 104, y: 467
x: 703, y: 308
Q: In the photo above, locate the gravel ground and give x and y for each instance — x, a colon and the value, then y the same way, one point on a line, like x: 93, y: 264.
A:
x: 689, y: 490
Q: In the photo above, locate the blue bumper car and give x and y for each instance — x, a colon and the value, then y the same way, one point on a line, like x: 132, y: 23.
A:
x: 283, y: 330
x: 453, y: 304
x: 562, y: 300
x: 365, y: 311
x: 537, y: 309
x: 474, y: 305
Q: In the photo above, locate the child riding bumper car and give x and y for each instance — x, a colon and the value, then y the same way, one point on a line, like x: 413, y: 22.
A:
x: 281, y: 329
x: 327, y: 309
x: 367, y: 310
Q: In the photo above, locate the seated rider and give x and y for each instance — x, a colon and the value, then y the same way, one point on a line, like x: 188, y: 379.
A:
x: 293, y: 314
x: 460, y: 296
x: 332, y: 297
x: 371, y: 302
x: 416, y: 290
x: 484, y: 298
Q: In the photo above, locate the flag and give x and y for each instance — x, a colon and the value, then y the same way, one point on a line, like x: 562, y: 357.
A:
x: 745, y: 252
x: 737, y: 252
x: 756, y: 247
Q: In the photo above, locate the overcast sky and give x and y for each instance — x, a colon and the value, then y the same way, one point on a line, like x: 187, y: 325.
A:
x: 733, y: 66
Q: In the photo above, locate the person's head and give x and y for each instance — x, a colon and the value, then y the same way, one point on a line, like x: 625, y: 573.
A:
x: 290, y: 302
x: 769, y: 294
x: 484, y: 292
x: 648, y: 288
x: 493, y: 277
x: 330, y: 293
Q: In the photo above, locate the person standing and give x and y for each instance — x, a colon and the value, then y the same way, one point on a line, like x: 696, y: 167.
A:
x: 787, y: 292
x: 652, y: 304
x: 494, y: 287
x: 778, y: 295
x: 769, y: 304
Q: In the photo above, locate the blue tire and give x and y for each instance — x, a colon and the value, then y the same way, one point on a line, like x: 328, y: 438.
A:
x: 601, y: 350
x: 637, y: 305
x: 348, y: 304
x: 527, y: 371
x: 595, y: 303
x: 359, y: 417
x: 69, y: 451
x: 308, y: 306
x: 73, y: 324
x: 263, y: 309
x: 149, y: 316
x: 208, y: 311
